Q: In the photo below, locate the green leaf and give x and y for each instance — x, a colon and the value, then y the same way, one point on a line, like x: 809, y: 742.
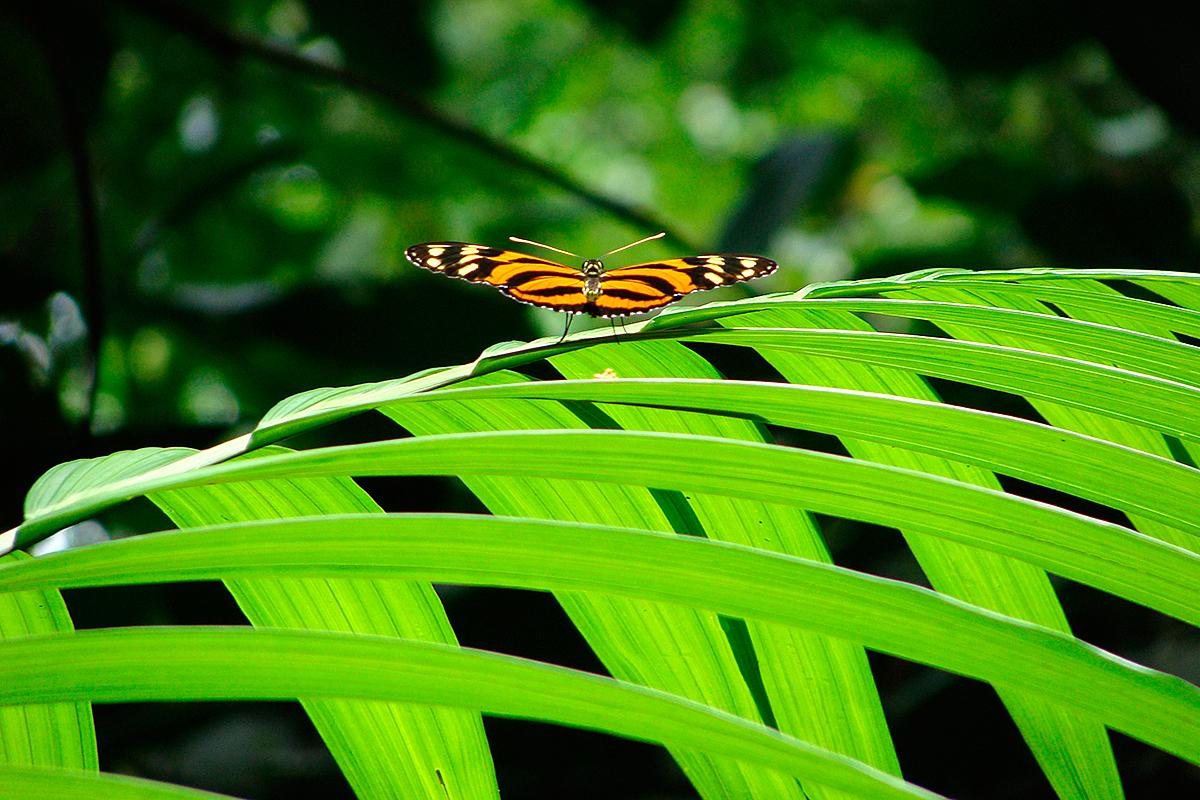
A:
x: 328, y: 403
x: 796, y: 669
x: 1086, y: 341
x: 885, y: 615
x: 1140, y: 399
x: 78, y: 478
x: 1084, y: 299
x: 1074, y: 753
x: 233, y: 663
x: 1113, y: 373
x: 51, y: 735
x: 385, y: 750
x: 681, y: 650
x: 1107, y: 556
x: 1120, y: 477
x: 62, y: 784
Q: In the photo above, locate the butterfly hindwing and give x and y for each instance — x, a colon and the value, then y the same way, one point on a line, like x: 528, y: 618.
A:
x: 633, y: 295
x: 557, y: 292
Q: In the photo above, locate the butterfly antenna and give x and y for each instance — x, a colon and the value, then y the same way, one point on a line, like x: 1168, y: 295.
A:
x: 539, y: 244
x: 658, y: 235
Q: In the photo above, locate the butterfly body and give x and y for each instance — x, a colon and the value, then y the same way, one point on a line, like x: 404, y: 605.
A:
x: 590, y: 289
x: 592, y: 269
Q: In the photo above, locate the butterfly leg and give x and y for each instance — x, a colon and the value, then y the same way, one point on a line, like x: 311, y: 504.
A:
x: 612, y: 321
x: 570, y: 317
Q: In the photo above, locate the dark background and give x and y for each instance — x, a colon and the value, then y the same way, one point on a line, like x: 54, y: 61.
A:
x: 210, y: 201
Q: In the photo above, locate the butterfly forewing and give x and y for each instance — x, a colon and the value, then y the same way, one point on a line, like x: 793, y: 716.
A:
x: 481, y: 264
x: 695, y: 273
x: 644, y: 287
x: 522, y: 277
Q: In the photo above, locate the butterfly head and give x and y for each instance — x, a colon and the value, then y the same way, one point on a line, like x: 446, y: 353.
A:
x: 592, y: 268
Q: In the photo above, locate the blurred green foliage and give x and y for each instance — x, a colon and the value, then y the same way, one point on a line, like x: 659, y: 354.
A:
x: 251, y: 215
x: 252, y: 219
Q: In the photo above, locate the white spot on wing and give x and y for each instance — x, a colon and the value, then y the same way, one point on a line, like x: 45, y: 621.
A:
x: 748, y: 262
x: 716, y: 261
x: 714, y: 278
x: 467, y: 269
x: 747, y: 273
x: 470, y: 250
x: 436, y: 251
x: 433, y: 263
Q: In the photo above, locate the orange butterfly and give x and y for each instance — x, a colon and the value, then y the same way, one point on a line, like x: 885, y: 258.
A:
x: 589, y: 290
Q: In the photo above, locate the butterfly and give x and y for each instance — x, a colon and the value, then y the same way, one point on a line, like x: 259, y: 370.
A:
x: 590, y: 289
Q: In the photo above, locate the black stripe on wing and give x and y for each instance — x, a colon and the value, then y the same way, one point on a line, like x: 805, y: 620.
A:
x: 481, y: 264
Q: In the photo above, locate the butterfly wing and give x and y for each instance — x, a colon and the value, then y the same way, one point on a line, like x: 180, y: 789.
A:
x: 522, y: 277
x: 644, y: 287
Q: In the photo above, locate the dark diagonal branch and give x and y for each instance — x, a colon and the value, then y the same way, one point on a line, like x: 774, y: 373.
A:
x: 232, y: 45
x: 75, y: 140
